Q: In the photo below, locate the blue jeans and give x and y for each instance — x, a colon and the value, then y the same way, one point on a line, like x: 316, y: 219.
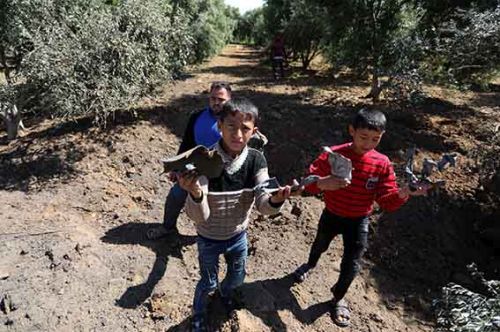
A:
x: 235, y: 253
x: 174, y: 203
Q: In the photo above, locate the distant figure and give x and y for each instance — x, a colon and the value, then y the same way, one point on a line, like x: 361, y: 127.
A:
x: 278, y: 55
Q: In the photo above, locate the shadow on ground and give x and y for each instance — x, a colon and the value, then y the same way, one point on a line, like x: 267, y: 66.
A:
x: 425, y: 245
x: 296, y: 130
x: 295, y: 127
x: 264, y: 299
x: 134, y: 234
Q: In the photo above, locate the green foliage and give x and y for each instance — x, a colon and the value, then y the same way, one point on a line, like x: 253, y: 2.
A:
x: 304, y: 30
x: 362, y: 30
x: 212, y: 24
x: 276, y: 15
x: 399, y: 38
x: 467, y: 47
x: 112, y: 2
x: 436, y: 12
x: 303, y: 23
x: 380, y: 37
x: 402, y: 58
x: 405, y: 41
x: 471, y: 308
x: 251, y: 28
x: 85, y: 57
x: 75, y: 57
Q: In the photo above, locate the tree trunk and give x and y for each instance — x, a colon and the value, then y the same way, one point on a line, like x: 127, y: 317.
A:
x: 305, y: 63
x: 12, y: 119
x: 3, y: 62
x: 376, y: 88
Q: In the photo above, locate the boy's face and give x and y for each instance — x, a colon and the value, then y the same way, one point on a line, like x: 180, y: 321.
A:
x: 217, y: 98
x: 236, y: 130
x: 364, y: 140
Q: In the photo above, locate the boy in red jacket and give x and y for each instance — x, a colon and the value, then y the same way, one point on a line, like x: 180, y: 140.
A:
x: 348, y: 203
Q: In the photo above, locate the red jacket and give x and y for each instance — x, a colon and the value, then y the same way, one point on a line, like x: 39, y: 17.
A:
x: 278, y: 47
x: 373, y: 179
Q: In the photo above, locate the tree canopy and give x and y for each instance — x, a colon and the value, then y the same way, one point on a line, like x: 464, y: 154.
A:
x: 65, y: 58
x: 72, y: 57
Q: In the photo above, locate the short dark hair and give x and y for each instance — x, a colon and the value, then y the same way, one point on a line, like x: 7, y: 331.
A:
x: 220, y: 85
x: 242, y: 105
x: 369, y: 119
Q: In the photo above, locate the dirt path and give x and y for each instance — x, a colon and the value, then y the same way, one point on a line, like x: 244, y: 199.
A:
x: 76, y: 203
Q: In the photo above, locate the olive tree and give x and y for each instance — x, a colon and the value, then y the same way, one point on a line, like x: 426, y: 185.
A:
x: 468, y: 47
x: 85, y: 57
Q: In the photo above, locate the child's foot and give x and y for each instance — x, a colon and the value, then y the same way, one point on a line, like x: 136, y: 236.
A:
x: 159, y: 232
x: 198, y: 324
x: 301, y: 273
x: 341, y: 313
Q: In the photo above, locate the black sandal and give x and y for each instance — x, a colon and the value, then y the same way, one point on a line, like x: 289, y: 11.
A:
x: 342, y: 315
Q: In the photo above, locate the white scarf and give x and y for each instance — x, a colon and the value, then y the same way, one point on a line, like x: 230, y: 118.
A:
x: 231, y: 165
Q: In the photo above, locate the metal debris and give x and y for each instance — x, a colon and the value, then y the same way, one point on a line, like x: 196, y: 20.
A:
x: 428, y: 167
x: 340, y: 165
x: 450, y: 159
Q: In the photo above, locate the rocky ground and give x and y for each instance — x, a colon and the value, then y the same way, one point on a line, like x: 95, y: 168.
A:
x: 77, y: 202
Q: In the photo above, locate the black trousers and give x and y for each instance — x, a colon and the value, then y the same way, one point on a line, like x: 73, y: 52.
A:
x: 355, y: 235
x: 278, y: 63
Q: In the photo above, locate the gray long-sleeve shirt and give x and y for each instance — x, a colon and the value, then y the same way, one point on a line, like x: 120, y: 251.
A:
x: 227, y: 201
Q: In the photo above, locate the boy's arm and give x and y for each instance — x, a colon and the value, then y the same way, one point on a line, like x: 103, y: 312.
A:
x: 320, y: 167
x: 198, y: 209
x: 263, y: 200
x: 388, y: 196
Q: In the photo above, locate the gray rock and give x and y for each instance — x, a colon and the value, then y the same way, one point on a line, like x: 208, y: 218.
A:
x: 4, y: 274
x: 7, y: 305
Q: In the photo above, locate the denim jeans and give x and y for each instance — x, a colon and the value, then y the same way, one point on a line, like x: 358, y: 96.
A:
x: 235, y: 253
x: 174, y: 203
x: 355, y: 235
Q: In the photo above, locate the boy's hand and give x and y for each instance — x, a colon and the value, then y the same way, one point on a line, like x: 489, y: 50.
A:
x: 331, y: 182
x: 281, y: 195
x: 189, y: 182
x: 296, y: 188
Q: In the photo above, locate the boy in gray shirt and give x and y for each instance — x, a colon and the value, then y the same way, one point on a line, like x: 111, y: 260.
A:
x: 220, y: 207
